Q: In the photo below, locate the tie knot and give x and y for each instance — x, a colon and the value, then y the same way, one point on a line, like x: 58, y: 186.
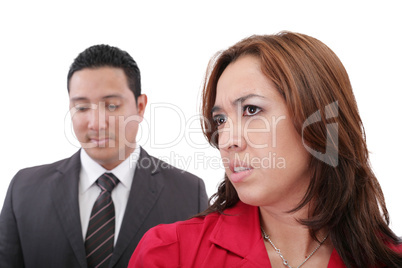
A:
x: 107, y: 182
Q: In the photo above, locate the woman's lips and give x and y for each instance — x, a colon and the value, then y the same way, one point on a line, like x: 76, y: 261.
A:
x: 240, y: 173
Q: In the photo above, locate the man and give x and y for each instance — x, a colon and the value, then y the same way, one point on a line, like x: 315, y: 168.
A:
x: 91, y: 210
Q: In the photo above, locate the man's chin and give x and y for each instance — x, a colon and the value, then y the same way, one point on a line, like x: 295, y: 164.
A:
x: 103, y: 156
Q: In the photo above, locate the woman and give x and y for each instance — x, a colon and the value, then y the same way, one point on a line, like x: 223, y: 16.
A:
x: 298, y: 189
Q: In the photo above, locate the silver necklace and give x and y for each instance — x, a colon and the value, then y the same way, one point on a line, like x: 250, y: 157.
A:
x: 277, y: 250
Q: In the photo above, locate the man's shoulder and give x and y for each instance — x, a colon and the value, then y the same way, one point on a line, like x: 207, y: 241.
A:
x: 46, y: 169
x: 160, y: 166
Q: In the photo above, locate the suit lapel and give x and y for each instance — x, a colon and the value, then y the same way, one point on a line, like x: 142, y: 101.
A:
x: 144, y: 192
x: 65, y: 198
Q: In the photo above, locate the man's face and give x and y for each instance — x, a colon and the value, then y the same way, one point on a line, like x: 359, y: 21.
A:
x: 105, y: 114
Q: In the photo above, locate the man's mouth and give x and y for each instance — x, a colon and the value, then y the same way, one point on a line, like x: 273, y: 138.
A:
x: 99, y: 141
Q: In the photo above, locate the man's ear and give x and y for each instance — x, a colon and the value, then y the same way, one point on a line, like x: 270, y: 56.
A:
x: 142, y: 104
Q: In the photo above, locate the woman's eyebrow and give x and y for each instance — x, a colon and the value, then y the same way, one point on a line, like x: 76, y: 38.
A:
x: 244, y: 98
x: 237, y: 101
x: 215, y: 109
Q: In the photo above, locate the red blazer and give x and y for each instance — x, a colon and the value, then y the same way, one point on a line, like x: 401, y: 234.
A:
x: 231, y: 240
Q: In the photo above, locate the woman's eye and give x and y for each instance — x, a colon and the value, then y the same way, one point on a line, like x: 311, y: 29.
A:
x: 219, y: 120
x: 112, y: 107
x: 249, y: 110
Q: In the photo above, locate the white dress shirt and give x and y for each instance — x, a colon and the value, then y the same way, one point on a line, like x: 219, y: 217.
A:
x: 88, y: 191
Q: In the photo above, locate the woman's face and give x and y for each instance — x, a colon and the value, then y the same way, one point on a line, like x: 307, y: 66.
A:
x: 263, y: 154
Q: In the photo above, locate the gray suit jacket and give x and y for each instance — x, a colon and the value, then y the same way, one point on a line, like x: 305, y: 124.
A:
x: 40, y: 221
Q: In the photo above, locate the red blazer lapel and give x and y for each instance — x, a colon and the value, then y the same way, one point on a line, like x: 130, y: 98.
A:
x: 238, y: 231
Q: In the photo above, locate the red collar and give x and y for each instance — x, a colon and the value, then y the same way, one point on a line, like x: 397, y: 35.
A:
x: 238, y: 231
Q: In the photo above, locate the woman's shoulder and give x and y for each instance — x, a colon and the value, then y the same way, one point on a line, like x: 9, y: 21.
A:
x: 168, y: 233
x: 195, y: 226
x: 183, y: 230
x: 194, y: 237
x: 396, y: 248
x: 165, y: 241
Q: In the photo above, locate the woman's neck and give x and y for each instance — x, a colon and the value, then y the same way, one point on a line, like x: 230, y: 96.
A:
x: 292, y: 238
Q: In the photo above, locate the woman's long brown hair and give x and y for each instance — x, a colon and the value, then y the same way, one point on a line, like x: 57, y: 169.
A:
x: 344, y: 193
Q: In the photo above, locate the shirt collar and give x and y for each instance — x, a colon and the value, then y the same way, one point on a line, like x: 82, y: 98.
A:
x: 91, y: 170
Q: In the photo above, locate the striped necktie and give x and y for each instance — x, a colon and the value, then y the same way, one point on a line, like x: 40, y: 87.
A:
x: 100, y: 235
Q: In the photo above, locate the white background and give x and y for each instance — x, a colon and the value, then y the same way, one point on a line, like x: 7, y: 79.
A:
x: 172, y: 42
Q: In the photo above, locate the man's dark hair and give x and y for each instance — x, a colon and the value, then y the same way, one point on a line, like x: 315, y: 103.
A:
x: 108, y: 56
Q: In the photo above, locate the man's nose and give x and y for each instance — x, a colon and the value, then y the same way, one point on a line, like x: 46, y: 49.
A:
x: 97, y: 117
